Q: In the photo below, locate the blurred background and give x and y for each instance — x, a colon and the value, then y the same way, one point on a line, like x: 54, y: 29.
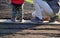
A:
x: 6, y: 9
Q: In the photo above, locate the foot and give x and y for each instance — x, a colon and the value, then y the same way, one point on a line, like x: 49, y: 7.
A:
x: 13, y: 20
x: 53, y: 19
x: 37, y: 20
x: 19, y: 20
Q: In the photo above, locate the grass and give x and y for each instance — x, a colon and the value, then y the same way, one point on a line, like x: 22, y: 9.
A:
x: 30, y: 1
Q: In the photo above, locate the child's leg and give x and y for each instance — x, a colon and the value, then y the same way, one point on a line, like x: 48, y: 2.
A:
x: 20, y: 12
x: 14, y: 12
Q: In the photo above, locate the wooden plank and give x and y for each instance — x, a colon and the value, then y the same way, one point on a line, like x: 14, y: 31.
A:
x: 19, y: 31
x: 29, y: 36
x: 27, y: 25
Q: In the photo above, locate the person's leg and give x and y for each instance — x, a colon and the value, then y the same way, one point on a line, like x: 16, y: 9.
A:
x: 42, y: 7
x: 20, y: 13
x: 46, y: 8
x: 38, y: 12
x: 14, y: 12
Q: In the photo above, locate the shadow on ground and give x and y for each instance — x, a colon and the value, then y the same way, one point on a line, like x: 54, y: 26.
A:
x: 18, y: 28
